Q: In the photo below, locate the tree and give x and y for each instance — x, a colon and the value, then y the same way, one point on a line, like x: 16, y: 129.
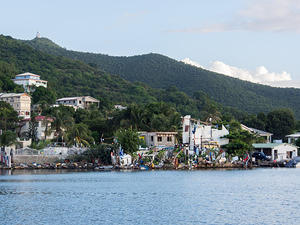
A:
x: 8, y: 116
x: 8, y: 138
x: 128, y: 139
x: 42, y: 94
x: 32, y: 130
x: 63, y: 121
x: 80, y: 135
x: 280, y: 122
x: 240, y: 141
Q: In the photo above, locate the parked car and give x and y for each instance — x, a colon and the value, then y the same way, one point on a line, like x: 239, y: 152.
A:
x: 260, y: 156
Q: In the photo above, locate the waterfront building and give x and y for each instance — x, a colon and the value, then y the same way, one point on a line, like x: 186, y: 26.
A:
x: 200, y: 134
x: 277, y: 151
x: 20, y: 102
x: 29, y: 81
x: 266, y: 135
x: 83, y: 102
x: 159, y: 139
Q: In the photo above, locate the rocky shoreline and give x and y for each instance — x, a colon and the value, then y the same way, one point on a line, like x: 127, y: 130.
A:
x: 96, y: 167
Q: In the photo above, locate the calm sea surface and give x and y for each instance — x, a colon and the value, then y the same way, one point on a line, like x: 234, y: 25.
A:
x: 260, y: 196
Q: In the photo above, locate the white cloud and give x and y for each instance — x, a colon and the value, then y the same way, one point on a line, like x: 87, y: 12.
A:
x: 258, y: 15
x: 260, y: 75
x: 193, y: 63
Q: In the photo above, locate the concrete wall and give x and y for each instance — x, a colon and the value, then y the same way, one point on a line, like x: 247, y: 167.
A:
x: 40, y: 159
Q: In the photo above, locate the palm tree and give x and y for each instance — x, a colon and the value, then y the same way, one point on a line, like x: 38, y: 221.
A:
x: 61, y: 124
x: 80, y: 135
x: 48, y: 126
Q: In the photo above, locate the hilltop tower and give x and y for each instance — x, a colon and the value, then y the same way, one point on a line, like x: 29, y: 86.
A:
x: 38, y: 35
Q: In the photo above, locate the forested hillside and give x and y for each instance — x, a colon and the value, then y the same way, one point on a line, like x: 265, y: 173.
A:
x: 159, y: 71
x: 68, y: 77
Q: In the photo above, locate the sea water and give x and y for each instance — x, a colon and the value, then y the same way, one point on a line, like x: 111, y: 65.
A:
x: 258, y: 196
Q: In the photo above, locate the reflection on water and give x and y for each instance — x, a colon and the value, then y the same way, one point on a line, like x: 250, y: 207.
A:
x: 262, y: 196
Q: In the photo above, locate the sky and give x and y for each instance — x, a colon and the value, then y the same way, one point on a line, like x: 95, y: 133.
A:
x: 254, y: 40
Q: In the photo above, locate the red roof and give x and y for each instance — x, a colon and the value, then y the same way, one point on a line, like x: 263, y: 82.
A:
x: 41, y: 118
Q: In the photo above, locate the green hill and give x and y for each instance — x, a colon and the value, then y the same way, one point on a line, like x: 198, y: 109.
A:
x: 159, y: 71
x: 69, y: 77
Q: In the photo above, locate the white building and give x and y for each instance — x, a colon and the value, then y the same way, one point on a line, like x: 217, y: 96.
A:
x: 83, y: 102
x: 277, y: 151
x: 292, y: 138
x: 29, y: 81
x: 159, y: 139
x: 197, y: 133
x: 266, y: 135
x: 20, y: 102
x: 120, y: 107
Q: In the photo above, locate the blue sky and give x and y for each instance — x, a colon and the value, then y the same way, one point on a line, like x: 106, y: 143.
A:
x: 256, y: 40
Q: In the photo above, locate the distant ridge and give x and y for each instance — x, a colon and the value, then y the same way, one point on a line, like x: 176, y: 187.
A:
x: 160, y: 71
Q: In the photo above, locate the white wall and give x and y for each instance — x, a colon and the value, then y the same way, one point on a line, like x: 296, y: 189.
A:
x: 202, y: 133
x: 283, y: 149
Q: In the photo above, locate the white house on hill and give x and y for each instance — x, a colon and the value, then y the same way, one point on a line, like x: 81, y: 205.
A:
x: 83, y: 102
x: 29, y: 80
x: 292, y: 138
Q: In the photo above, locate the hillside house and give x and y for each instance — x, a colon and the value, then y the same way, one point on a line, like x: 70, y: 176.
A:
x: 292, y: 138
x: 83, y: 102
x: 29, y: 81
x: 266, y: 135
x: 277, y: 151
x: 21, y: 102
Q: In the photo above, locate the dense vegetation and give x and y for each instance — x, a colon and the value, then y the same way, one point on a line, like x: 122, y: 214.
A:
x: 149, y: 109
x: 68, y: 77
x: 162, y: 72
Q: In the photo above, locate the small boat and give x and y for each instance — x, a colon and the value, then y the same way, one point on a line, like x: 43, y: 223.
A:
x: 143, y: 167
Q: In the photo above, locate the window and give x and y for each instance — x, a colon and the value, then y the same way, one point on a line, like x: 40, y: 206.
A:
x: 159, y: 139
x: 79, y: 102
x: 152, y: 138
x: 169, y: 139
x: 186, y: 128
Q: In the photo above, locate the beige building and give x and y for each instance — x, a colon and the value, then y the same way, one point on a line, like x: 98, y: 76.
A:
x: 20, y: 102
x: 159, y: 139
x: 83, y: 102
